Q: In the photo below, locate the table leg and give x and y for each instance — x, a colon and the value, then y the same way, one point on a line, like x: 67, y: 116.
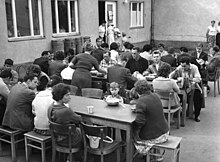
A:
x: 183, y: 118
x: 129, y: 146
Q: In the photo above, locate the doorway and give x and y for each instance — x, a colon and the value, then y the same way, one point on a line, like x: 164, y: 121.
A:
x: 107, y: 12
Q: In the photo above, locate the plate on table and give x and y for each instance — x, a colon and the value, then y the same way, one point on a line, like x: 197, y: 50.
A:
x: 112, y: 101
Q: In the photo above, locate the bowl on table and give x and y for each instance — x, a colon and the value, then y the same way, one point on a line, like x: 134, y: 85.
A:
x: 112, y: 101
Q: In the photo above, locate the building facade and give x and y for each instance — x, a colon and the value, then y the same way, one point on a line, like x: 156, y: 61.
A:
x: 29, y: 27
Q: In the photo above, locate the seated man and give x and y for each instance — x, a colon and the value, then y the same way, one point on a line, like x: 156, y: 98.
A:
x: 137, y: 63
x: 18, y: 113
x: 106, y: 61
x: 121, y: 75
x: 43, y: 61
x: 5, y: 77
x: 98, y: 51
x: 8, y: 66
x: 153, y: 68
x: 190, y: 72
x: 169, y: 58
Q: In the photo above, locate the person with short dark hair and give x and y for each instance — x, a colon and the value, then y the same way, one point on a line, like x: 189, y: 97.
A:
x: 153, y: 68
x: 150, y: 125
x: 59, y: 113
x: 137, y: 64
x: 41, y: 104
x: 127, y: 50
x: 8, y: 64
x: 5, y: 77
x: 56, y: 66
x: 97, y: 52
x: 114, y: 51
x: 190, y: 73
x: 42, y: 77
x: 18, y: 113
x: 169, y: 58
x: 121, y: 75
x: 146, y: 54
x: 107, y: 61
x: 43, y: 61
x: 161, y: 48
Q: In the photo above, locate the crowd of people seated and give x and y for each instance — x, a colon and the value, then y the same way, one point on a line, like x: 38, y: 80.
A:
x: 25, y: 102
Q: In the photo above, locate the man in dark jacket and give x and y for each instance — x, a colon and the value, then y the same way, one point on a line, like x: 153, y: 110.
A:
x: 43, y: 61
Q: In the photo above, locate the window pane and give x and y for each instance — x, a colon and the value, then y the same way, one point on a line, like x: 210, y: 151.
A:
x: 35, y: 14
x: 53, y: 16
x: 63, y: 16
x: 22, y: 15
x: 72, y: 13
x: 134, y: 7
x: 9, y: 18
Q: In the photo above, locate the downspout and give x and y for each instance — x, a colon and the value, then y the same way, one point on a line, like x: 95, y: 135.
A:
x: 152, y: 24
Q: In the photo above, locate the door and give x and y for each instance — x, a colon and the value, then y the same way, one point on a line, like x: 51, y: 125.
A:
x: 110, y: 12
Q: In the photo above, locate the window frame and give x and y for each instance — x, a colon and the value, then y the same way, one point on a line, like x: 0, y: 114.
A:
x: 60, y: 34
x: 14, y: 19
x: 142, y: 13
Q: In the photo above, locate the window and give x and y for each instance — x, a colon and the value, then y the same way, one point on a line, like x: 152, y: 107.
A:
x: 136, y: 14
x: 24, y: 18
x: 64, y: 16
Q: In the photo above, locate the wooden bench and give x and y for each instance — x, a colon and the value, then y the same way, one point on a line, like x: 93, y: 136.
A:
x: 12, y: 137
x: 173, y: 144
x: 37, y: 141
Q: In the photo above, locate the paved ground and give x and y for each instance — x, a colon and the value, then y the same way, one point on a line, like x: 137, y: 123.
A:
x: 201, y: 141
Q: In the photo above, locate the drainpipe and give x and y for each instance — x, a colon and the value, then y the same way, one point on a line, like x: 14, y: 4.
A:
x: 152, y: 24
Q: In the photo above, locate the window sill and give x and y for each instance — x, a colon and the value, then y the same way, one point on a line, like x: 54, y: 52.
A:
x: 25, y: 38
x: 65, y: 35
x: 136, y: 27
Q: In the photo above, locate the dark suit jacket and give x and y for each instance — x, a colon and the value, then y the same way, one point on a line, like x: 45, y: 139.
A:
x: 120, y: 75
x: 169, y: 59
x: 203, y: 56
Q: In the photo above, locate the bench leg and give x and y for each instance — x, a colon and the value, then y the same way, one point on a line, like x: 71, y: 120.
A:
x: 13, y: 153
x: 0, y: 148
x: 43, y: 152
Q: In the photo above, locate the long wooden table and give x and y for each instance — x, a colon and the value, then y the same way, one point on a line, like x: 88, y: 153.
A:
x: 119, y: 117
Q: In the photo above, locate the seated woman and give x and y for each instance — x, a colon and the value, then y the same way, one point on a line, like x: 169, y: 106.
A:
x: 59, y: 113
x: 164, y: 83
x: 150, y: 125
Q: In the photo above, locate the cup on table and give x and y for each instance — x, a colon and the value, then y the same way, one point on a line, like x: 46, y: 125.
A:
x: 90, y: 109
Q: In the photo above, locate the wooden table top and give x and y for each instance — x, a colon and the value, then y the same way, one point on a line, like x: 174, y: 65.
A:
x: 121, y: 113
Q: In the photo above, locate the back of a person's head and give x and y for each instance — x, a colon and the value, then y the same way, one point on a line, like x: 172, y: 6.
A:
x: 44, y: 53
x: 171, y: 50
x: 147, y: 48
x: 54, y: 80
x: 184, y: 49
x: 142, y: 87
x: 89, y: 47
x: 34, y: 69
x: 104, y: 45
x: 164, y: 70
x: 59, y: 91
x: 59, y: 55
x: 9, y: 61
x: 70, y: 58
x: 29, y: 77
x: 185, y: 59
x: 130, y: 46
x: 114, y: 46
x: 6, y: 74
x: 215, y: 48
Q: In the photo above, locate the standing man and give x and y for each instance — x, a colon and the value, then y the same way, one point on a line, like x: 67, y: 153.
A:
x: 18, y: 114
x: 8, y: 66
x: 102, y: 30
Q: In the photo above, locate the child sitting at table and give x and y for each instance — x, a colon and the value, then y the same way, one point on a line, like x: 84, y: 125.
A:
x: 114, y: 89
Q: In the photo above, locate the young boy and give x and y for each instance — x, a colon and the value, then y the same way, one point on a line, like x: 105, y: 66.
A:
x: 114, y: 89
